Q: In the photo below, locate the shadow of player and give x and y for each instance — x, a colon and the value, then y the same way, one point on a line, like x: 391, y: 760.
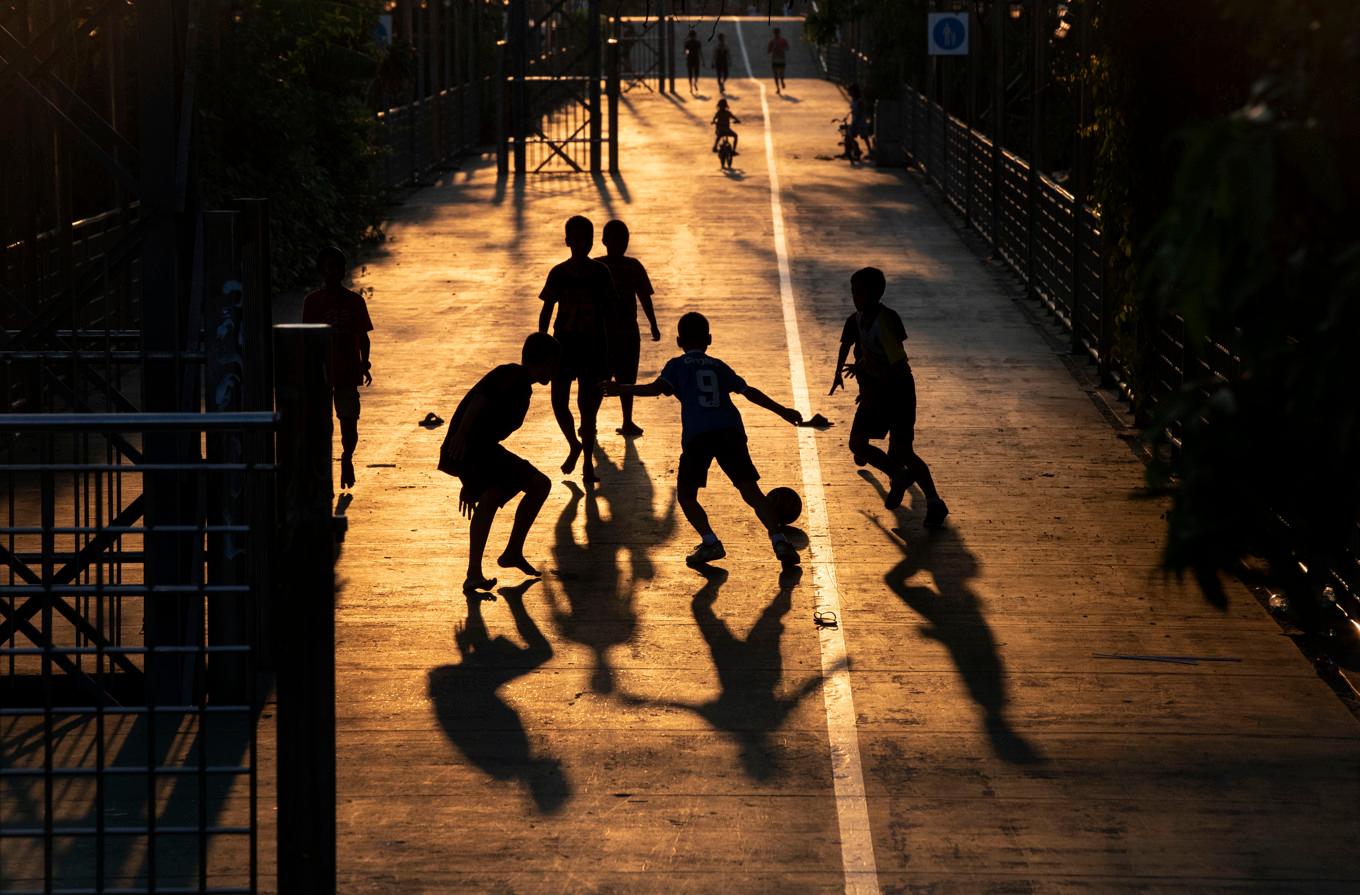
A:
x: 749, y: 670
x: 593, y: 597
x: 954, y: 619
x: 476, y: 719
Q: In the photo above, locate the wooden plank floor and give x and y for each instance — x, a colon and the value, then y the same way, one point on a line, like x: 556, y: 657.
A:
x: 600, y: 749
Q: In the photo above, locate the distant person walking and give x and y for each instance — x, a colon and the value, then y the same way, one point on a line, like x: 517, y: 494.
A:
x: 347, y: 313
x: 722, y: 62
x: 581, y: 291
x: 694, y: 60
x: 778, y: 48
x: 887, y: 394
x: 491, y: 475
x: 634, y: 288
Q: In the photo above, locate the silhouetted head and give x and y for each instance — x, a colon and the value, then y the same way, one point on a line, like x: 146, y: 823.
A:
x: 722, y: 38
x: 580, y: 236
x: 540, y: 355
x: 691, y: 33
x: 615, y: 237
x: 694, y: 334
x: 722, y: 104
x: 776, y: 32
x: 331, y: 264
x: 866, y: 287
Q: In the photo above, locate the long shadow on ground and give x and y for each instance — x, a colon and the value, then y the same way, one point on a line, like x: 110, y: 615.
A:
x: 476, y: 719
x: 954, y: 618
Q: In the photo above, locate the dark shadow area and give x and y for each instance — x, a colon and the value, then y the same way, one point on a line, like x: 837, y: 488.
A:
x: 788, y: 99
x: 734, y: 173
x: 595, y: 605
x: 749, y: 671
x: 486, y: 729
x: 954, y: 618
x: 681, y: 105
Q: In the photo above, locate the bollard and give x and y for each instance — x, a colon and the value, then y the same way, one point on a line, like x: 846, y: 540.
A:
x: 304, y: 612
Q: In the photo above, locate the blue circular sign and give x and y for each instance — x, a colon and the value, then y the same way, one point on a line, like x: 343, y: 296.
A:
x: 949, y: 34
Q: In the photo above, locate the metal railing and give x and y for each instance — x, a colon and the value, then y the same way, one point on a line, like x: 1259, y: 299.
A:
x: 128, y: 651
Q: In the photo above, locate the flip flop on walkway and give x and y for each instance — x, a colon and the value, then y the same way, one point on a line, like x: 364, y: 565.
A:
x: 432, y: 421
x: 816, y: 422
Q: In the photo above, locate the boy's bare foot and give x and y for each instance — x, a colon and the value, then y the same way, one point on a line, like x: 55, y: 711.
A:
x: 346, y: 473
x: 506, y: 561
x: 631, y: 429
x: 473, y: 585
x: 572, y: 456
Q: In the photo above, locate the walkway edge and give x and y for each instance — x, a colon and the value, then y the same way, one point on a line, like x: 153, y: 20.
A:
x: 852, y: 810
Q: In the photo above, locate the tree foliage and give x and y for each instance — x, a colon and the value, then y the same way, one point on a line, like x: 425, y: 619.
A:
x: 284, y: 112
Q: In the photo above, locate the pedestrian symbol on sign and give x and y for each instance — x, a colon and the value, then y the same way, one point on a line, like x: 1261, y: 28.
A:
x: 947, y: 34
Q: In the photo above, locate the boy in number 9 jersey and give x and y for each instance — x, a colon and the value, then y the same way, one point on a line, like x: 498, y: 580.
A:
x: 711, y: 429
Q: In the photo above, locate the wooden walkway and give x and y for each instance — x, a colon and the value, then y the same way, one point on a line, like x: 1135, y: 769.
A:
x: 640, y: 728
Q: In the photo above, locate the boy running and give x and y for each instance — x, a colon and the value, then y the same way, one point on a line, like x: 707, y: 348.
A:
x: 491, y: 475
x: 582, y: 291
x: 722, y: 126
x: 722, y: 60
x: 887, y: 394
x: 711, y: 429
x: 778, y: 48
x: 625, y: 342
x: 347, y: 313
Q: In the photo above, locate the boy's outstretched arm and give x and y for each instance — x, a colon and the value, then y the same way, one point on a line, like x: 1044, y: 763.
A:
x: 839, y: 382
x: 545, y: 315
x: 654, y: 389
x: 760, y: 399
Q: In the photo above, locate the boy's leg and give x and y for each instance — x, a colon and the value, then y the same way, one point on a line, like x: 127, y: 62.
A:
x: 627, y: 352
x: 561, y: 405
x: 482, y: 517
x: 755, y: 498
x: 535, y: 486
x: 347, y: 414
x: 688, y: 498
x: 588, y: 398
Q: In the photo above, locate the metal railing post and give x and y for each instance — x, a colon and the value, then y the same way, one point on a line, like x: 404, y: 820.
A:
x: 595, y: 61
x: 614, y: 103
x: 998, y: 116
x: 306, y: 670
x: 1036, y: 155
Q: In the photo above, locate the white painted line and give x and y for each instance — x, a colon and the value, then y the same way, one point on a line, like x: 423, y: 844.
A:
x: 852, y: 810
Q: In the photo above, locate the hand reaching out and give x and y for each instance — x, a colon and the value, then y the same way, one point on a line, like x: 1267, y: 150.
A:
x: 466, y: 505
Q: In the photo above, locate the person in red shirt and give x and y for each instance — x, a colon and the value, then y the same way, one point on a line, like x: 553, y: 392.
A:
x: 347, y: 313
x: 778, y: 49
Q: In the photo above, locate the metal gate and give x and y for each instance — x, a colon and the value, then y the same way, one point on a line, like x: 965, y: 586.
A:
x: 644, y: 54
x: 553, y: 119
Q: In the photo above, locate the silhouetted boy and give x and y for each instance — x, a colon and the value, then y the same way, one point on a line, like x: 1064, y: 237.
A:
x: 694, y: 60
x: 347, y: 313
x: 722, y: 61
x: 625, y: 342
x: 778, y: 48
x: 887, y: 394
x: 711, y: 429
x: 722, y: 126
x: 492, y: 475
x: 582, y: 291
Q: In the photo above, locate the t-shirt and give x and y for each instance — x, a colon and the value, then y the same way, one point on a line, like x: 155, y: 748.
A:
x: 721, y: 56
x: 722, y: 120
x: 704, y: 386
x: 692, y: 50
x: 584, y: 293
x: 507, y: 390
x: 879, y: 356
x: 347, y: 313
x: 630, y: 282
x: 778, y: 46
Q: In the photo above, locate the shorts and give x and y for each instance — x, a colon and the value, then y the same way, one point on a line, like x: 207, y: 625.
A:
x: 721, y: 71
x: 692, y: 65
x: 624, y: 353
x: 724, y: 132
x: 889, y: 413
x: 346, y: 402
x: 727, y: 446
x: 778, y: 67
x: 584, y: 358
x: 487, y: 467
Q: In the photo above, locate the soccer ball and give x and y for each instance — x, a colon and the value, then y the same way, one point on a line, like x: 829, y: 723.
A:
x: 788, y: 506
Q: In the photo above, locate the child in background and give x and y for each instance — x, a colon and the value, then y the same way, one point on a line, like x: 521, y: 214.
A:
x: 722, y: 126
x: 625, y: 342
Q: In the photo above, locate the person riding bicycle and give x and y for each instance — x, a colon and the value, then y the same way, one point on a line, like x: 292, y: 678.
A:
x: 722, y: 126
x: 859, y: 116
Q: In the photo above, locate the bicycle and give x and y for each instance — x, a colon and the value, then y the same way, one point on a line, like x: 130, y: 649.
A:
x: 850, y: 146
x: 725, y: 153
